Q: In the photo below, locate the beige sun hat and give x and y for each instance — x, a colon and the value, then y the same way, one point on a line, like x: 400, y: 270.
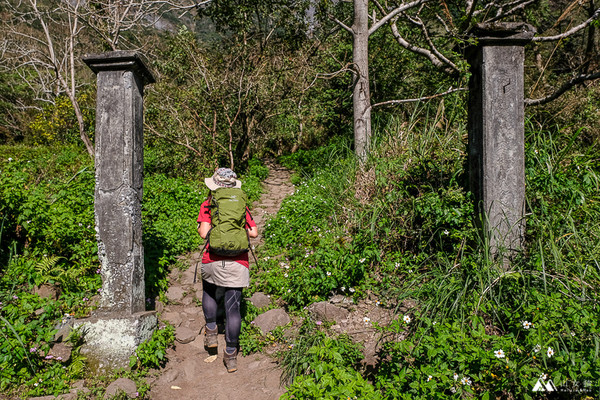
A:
x: 223, y: 178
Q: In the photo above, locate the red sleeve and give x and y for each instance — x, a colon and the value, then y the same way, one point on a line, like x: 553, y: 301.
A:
x: 204, y: 215
x: 249, y: 220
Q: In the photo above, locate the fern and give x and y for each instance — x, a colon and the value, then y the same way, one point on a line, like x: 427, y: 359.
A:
x: 46, y: 267
x: 65, y: 276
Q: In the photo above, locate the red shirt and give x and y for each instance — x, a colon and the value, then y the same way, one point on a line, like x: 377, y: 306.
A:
x: 207, y: 257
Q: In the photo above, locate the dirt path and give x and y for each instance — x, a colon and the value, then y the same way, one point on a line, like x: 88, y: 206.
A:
x: 187, y: 374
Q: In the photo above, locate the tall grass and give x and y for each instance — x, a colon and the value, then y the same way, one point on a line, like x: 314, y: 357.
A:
x: 478, y: 326
x: 446, y: 267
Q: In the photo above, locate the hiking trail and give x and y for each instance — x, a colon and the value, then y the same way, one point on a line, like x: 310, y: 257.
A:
x: 190, y: 372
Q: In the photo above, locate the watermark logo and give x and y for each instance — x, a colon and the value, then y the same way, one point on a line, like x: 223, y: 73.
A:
x: 543, y: 386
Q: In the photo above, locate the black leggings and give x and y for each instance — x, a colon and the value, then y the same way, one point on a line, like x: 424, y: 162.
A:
x: 211, y: 296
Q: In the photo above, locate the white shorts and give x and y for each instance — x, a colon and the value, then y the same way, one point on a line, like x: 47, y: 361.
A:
x: 224, y: 273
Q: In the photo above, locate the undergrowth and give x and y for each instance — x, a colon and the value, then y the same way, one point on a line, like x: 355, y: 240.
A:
x: 48, y: 243
x: 399, y: 229
x: 402, y: 228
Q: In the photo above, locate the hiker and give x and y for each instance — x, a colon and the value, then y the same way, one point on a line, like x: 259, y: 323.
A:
x: 224, y: 272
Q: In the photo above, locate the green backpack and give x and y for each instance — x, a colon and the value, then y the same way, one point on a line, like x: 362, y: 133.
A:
x: 228, y: 236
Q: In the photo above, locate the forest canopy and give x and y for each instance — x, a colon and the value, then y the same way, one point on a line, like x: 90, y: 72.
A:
x: 237, y: 79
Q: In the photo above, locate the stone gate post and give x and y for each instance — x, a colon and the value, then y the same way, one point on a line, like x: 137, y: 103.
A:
x: 496, y: 132
x: 121, y: 323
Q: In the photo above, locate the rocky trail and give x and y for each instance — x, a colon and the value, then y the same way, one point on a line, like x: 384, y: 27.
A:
x: 191, y: 372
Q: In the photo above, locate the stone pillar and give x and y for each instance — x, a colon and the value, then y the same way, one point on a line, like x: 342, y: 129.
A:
x: 121, y: 323
x: 496, y: 132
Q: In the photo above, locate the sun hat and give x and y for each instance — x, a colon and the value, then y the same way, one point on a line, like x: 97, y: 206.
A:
x: 223, y: 178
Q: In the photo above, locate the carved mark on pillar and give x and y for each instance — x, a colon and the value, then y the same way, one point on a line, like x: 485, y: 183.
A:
x: 505, y: 86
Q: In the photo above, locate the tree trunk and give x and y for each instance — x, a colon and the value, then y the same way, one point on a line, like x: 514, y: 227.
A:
x: 591, y: 40
x: 361, y: 95
x: 82, y: 133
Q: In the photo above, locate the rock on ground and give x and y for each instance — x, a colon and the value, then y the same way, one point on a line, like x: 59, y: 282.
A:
x: 271, y: 319
x: 121, y: 385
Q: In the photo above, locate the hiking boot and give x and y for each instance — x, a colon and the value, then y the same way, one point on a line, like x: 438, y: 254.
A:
x: 210, y: 337
x: 230, y: 361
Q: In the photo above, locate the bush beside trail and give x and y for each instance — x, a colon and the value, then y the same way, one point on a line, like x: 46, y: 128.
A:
x: 47, y: 239
x: 400, y: 231
x: 476, y: 328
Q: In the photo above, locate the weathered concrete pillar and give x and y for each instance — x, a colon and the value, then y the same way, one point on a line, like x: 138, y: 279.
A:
x: 121, y: 323
x: 496, y: 131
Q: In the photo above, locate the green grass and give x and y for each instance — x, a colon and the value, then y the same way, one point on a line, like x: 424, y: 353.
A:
x: 400, y: 229
x: 409, y: 218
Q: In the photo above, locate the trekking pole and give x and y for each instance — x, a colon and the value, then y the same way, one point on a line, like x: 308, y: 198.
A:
x: 254, y: 255
x: 201, y: 253
x: 249, y: 244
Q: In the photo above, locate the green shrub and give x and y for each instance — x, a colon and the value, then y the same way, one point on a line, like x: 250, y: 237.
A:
x: 169, y: 213
x: 46, y: 204
x: 486, y: 331
x: 47, y: 236
x: 57, y: 122
x: 552, y: 336
x: 321, y: 367
x: 152, y: 353
x: 25, y: 339
x: 319, y: 257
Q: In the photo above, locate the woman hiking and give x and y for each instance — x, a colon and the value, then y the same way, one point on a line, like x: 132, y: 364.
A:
x: 225, y: 264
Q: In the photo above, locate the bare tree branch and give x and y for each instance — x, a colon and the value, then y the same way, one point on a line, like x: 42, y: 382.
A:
x: 433, y: 56
x: 393, y: 13
x: 570, y: 31
x: 331, y: 75
x: 512, y: 8
x: 566, y: 86
x: 341, y: 24
x: 390, y: 102
x: 172, y: 140
x: 434, y: 49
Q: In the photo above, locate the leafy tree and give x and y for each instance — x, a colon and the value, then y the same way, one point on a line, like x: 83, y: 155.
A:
x: 226, y: 99
x: 438, y: 32
x: 41, y: 41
